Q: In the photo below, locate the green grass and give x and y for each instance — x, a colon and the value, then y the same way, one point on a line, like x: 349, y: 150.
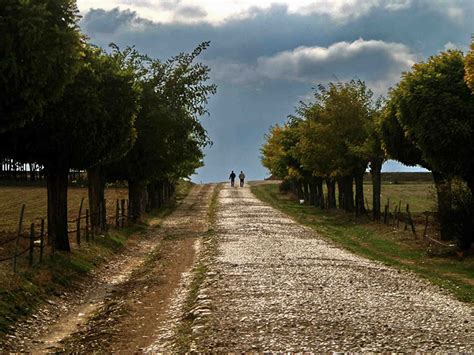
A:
x: 376, y: 241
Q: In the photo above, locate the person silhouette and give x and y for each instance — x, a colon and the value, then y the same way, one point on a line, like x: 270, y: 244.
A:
x: 242, y: 178
x: 232, y: 178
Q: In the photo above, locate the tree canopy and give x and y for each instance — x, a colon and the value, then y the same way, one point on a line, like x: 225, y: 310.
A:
x: 40, y: 50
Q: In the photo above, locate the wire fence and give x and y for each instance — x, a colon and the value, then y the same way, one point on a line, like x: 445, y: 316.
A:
x: 30, y: 245
x: 402, y: 217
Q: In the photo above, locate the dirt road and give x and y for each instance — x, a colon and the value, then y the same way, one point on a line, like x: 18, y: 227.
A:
x: 261, y: 282
x: 131, y: 302
x: 275, y: 285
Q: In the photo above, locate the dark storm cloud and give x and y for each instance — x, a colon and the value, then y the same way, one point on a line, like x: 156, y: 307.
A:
x: 264, y: 63
x: 99, y: 23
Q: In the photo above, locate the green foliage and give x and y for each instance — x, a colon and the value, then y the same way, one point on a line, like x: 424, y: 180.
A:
x: 39, y: 50
x: 436, y: 108
x: 170, y: 136
x: 469, y: 66
x: 91, y: 123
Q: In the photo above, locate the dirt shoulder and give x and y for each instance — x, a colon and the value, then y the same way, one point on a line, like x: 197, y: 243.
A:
x: 120, y: 307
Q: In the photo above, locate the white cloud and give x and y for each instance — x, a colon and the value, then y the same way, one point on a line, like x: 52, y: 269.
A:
x: 217, y: 12
x: 379, y: 63
x: 370, y: 60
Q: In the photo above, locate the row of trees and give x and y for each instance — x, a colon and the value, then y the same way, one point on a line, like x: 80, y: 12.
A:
x: 427, y: 120
x: 66, y: 104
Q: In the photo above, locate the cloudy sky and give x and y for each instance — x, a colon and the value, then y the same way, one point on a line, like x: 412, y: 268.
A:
x: 266, y: 56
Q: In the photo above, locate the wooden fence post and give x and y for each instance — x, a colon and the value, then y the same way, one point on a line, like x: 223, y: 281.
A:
x: 117, y: 214
x: 87, y: 225
x: 411, y: 220
x: 104, y: 216
x: 20, y: 224
x: 32, y: 245
x: 78, y: 232
x: 128, y: 212
x: 385, y: 214
x: 399, y: 212
x: 122, y: 213
x: 426, y: 227
x: 395, y: 213
x: 42, y: 240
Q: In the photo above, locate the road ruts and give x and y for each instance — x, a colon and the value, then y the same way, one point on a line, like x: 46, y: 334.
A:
x: 276, y: 286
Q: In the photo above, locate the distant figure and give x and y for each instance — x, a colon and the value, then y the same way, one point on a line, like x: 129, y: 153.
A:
x: 242, y: 178
x: 232, y: 178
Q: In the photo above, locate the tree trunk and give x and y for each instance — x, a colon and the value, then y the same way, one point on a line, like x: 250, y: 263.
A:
x: 319, y: 183
x: 306, y: 192
x: 443, y: 194
x: 137, y: 197
x: 375, y: 172
x: 315, y: 192
x: 348, y: 193
x: 340, y: 193
x: 331, y: 186
x: 96, y: 191
x: 299, y: 189
x: 359, y: 196
x: 155, y: 194
x: 56, y: 180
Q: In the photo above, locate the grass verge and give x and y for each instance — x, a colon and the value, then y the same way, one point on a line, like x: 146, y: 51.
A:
x: 184, y: 335
x: 375, y: 241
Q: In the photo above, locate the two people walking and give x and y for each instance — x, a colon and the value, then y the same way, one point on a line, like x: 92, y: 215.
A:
x: 241, y: 178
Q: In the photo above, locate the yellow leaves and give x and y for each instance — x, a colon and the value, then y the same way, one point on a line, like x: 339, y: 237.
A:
x: 469, y: 67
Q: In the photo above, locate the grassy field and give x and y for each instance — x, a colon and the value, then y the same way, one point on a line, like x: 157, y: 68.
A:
x: 376, y: 241
x: 420, y: 196
x: 35, y: 199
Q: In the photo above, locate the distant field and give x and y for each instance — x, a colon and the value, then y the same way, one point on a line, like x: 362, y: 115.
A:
x: 35, y: 199
x: 400, y: 178
x: 420, y: 195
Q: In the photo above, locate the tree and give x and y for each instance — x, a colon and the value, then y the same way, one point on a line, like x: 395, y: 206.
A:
x: 119, y: 94
x: 469, y: 66
x: 169, y: 133
x: 73, y: 132
x: 334, y: 145
x: 39, y: 47
x: 436, y: 108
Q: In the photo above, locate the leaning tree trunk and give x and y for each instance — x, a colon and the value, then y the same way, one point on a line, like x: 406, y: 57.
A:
x: 348, y: 194
x: 57, y: 181
x: 359, y: 195
x: 375, y: 172
x: 331, y: 186
x: 137, y: 197
x: 96, y: 191
x: 443, y: 194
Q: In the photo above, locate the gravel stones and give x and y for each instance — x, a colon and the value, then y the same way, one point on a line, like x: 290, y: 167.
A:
x: 276, y: 286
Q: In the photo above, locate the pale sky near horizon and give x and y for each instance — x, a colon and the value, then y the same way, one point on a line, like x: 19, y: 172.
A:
x: 266, y: 56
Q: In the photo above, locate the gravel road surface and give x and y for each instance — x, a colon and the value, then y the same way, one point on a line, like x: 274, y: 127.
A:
x: 277, y: 286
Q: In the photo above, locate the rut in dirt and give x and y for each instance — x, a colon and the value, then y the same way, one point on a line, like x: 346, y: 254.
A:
x: 124, y: 303
x: 277, y: 286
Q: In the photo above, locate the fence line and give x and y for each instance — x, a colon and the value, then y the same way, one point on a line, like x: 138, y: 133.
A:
x: 36, y: 238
